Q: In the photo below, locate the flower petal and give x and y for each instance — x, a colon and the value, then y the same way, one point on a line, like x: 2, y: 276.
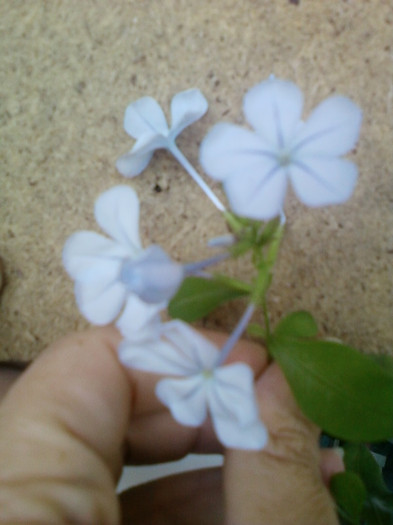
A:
x: 132, y: 164
x: 185, y: 398
x: 229, y: 149
x: 153, y: 276
x: 199, y: 351
x: 320, y: 181
x: 167, y: 348
x: 151, y: 355
x: 258, y: 193
x: 183, y: 350
x: 274, y: 109
x: 234, y: 409
x: 139, y: 320
x: 117, y: 212
x: 145, y: 116
x: 100, y: 302
x: 88, y: 256
x: 249, y: 437
x: 156, y: 354
x: 332, y: 128
x: 186, y: 108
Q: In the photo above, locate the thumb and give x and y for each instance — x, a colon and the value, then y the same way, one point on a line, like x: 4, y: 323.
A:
x: 62, y: 428
x: 282, y: 484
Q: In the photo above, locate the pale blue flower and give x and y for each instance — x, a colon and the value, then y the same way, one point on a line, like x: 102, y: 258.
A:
x: 114, y: 273
x: 201, y: 384
x: 255, y: 166
x: 145, y: 121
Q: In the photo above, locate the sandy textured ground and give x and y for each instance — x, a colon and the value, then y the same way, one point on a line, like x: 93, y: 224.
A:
x: 69, y: 68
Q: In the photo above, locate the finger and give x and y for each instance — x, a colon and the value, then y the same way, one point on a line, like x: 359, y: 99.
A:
x: 62, y: 429
x: 291, y: 434
x: 158, y: 437
x: 287, y: 470
x: 331, y: 463
x: 192, y: 498
x: 9, y: 373
x: 64, y: 424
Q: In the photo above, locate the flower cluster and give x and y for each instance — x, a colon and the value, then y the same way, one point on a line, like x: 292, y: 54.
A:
x: 116, y: 279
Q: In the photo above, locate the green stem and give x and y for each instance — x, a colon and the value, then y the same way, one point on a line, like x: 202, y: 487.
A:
x: 266, y: 318
x: 235, y: 225
x: 275, y: 246
x: 265, y: 271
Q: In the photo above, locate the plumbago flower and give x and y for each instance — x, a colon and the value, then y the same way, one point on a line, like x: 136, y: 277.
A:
x: 145, y: 121
x: 112, y: 273
x: 254, y: 167
x: 203, y: 386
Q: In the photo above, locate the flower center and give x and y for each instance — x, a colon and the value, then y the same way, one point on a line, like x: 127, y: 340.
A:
x: 207, y: 373
x: 284, y: 157
x: 128, y: 276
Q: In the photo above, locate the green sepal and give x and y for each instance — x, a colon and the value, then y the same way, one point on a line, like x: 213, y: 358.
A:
x: 343, y: 391
x: 252, y: 235
x: 198, y: 297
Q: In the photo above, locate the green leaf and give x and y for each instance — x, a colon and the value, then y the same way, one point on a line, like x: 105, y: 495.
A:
x: 385, y: 361
x: 359, y: 459
x: 378, y: 506
x: 344, y: 392
x: 297, y: 324
x: 198, y: 297
x: 350, y: 494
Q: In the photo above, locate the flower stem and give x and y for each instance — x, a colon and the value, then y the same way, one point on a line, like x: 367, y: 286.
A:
x: 195, y: 175
x: 195, y: 267
x: 236, y: 334
x: 266, y: 317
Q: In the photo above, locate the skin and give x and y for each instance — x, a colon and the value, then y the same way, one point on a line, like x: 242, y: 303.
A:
x: 75, y: 416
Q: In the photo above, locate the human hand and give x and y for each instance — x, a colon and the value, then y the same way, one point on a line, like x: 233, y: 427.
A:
x: 68, y: 422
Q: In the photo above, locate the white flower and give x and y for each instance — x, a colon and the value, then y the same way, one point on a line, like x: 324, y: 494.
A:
x: 145, y: 121
x: 111, y: 273
x: 226, y: 392
x: 254, y: 167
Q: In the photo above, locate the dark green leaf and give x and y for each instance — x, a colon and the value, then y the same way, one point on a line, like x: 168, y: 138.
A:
x: 344, y: 392
x: 385, y: 361
x: 378, y: 507
x: 297, y: 324
x: 198, y: 297
x: 359, y: 459
x: 350, y: 494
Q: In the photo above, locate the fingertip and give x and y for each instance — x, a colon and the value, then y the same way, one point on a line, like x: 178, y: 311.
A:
x: 331, y: 463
